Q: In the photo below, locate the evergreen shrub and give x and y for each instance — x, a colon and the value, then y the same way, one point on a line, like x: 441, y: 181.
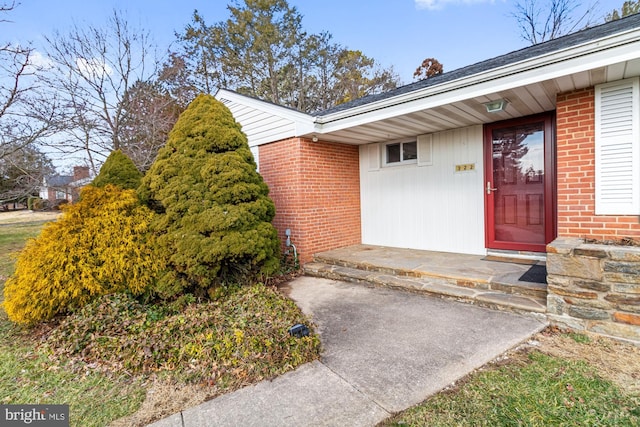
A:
x: 99, y: 246
x: 118, y: 170
x: 214, y: 223
x: 35, y: 203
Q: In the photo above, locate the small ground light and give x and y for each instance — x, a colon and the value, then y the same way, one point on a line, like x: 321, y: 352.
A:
x: 299, y: 331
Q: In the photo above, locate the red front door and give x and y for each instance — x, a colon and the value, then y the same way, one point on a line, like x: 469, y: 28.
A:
x: 519, y: 184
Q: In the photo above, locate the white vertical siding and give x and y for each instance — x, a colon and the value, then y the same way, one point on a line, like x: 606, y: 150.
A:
x: 256, y: 156
x: 430, y: 207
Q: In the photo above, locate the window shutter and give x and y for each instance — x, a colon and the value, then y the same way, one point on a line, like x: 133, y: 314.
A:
x: 373, y: 154
x: 618, y: 148
x: 425, y: 150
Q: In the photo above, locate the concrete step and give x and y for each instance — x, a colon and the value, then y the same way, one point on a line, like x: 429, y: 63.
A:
x: 460, y: 289
x: 506, y: 283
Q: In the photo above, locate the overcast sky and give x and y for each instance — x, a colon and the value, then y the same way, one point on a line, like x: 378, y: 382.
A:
x: 398, y: 33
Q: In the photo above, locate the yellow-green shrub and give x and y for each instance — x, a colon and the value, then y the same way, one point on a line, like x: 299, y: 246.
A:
x: 99, y: 246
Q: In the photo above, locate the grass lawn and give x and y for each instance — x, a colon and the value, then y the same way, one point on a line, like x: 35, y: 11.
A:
x: 12, y: 238
x: 28, y: 374
x: 565, y: 379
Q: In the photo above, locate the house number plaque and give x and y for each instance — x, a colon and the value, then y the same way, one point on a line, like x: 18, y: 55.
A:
x: 465, y: 167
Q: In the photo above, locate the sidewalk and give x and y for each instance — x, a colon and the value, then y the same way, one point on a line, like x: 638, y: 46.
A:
x: 384, y: 351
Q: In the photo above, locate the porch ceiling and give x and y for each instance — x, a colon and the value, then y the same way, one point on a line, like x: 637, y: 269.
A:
x: 523, y: 100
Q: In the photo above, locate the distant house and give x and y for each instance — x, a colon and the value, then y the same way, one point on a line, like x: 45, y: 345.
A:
x: 58, y: 188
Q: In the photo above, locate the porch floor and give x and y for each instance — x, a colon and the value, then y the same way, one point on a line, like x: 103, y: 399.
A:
x: 496, y: 282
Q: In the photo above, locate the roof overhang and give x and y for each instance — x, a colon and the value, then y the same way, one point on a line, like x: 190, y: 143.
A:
x: 530, y: 85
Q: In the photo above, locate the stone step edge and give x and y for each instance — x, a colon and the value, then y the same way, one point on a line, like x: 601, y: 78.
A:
x: 523, y: 288
x: 483, y: 297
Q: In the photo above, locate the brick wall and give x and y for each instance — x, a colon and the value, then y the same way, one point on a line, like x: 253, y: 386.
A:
x: 575, y: 115
x: 316, y: 189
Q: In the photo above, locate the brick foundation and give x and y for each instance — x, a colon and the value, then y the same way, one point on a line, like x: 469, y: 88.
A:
x: 316, y: 189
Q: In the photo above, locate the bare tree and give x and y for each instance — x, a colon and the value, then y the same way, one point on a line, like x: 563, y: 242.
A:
x: 150, y: 113
x: 7, y: 7
x: 93, y: 68
x: 176, y: 79
x: 22, y: 173
x: 544, y: 20
x: 26, y: 114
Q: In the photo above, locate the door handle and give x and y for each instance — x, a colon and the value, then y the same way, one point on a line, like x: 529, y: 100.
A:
x: 489, y: 189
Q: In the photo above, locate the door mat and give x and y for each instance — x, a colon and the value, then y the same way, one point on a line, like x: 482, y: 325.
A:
x: 536, y: 274
x: 510, y: 260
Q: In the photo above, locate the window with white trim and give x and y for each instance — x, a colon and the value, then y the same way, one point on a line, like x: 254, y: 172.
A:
x: 617, y: 127
x: 397, y: 153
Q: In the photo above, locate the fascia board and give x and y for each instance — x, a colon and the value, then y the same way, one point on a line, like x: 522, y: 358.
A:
x: 594, y: 54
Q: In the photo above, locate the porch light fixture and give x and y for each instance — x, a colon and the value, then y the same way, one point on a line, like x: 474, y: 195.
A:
x: 496, y: 106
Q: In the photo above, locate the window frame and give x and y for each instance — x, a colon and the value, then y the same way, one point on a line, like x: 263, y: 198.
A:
x: 402, y: 160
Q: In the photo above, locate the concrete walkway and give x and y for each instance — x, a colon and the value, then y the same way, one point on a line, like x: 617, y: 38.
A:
x: 384, y: 350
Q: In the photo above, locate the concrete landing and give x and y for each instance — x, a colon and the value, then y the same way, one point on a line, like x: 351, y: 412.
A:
x: 384, y: 350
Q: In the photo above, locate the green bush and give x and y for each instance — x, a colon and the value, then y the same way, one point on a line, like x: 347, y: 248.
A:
x: 120, y: 171
x: 39, y: 204
x: 99, y: 246
x: 35, y: 203
x: 214, y: 223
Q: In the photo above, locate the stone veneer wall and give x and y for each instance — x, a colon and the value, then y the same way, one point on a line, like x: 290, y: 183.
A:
x: 594, y: 287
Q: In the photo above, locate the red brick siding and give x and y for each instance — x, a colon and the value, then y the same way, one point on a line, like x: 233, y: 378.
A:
x: 316, y: 189
x: 575, y: 115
